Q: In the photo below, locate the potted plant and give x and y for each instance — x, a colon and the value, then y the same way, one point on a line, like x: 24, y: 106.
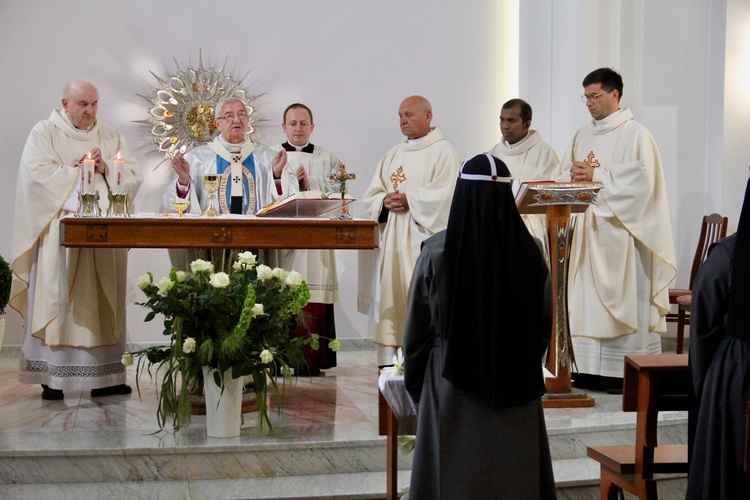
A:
x: 226, y: 324
x: 6, y: 279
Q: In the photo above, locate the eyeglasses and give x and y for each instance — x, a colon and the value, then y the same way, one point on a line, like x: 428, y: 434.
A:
x: 594, y: 97
x: 230, y: 117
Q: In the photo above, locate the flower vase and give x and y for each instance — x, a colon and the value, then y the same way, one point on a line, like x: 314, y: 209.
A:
x: 223, y: 411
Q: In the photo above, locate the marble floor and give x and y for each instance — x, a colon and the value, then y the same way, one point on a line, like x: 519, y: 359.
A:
x: 337, y: 407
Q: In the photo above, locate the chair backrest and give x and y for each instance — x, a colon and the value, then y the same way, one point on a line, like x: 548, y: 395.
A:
x: 713, y: 228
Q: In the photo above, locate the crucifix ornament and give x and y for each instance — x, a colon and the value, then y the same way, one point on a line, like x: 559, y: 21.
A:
x: 342, y: 176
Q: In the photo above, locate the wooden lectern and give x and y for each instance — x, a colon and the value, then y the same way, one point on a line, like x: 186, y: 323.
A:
x: 557, y: 200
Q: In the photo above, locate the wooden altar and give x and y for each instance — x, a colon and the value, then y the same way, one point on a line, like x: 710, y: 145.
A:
x: 226, y: 231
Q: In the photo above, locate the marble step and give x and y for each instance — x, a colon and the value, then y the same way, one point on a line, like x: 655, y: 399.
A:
x: 576, y: 479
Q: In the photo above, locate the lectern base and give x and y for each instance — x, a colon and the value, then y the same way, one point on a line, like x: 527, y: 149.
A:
x: 573, y: 399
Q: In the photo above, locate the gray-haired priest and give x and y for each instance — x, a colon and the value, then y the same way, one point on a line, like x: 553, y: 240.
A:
x: 246, y: 181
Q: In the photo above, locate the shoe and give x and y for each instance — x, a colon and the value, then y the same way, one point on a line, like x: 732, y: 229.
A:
x: 111, y: 391
x: 307, y: 372
x: 52, y: 394
x: 585, y: 381
x: 611, y: 385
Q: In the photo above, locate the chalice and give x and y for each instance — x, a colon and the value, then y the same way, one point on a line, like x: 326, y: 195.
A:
x: 211, y: 183
x: 181, y: 206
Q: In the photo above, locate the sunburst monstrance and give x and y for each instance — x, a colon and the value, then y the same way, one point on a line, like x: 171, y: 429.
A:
x: 182, y: 109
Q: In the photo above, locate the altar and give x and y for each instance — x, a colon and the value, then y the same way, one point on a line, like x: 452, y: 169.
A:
x: 224, y: 231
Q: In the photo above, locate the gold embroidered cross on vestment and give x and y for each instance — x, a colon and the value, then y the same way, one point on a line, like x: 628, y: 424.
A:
x: 398, y: 177
x: 592, y: 161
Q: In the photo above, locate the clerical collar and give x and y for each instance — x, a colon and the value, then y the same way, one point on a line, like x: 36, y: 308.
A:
x: 232, y: 148
x: 307, y: 148
x: 415, y: 141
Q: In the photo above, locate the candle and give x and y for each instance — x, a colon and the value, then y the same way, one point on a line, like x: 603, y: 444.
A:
x: 118, y: 171
x: 89, y: 182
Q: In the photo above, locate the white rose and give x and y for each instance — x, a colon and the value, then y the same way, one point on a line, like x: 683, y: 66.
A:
x: 144, y: 281
x: 219, y: 280
x: 199, y: 266
x: 294, y: 279
x: 247, y: 258
x: 280, y: 273
x: 334, y: 345
x: 181, y: 276
x: 164, y: 285
x: 264, y: 273
x: 127, y: 359
x: 257, y: 310
x: 266, y: 356
x: 189, y: 345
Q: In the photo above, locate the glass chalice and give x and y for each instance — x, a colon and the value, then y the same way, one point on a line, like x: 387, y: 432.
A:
x: 211, y: 183
x: 181, y: 205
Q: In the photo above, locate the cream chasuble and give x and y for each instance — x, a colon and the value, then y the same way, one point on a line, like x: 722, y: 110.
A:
x: 426, y: 171
x: 90, y: 313
x: 530, y: 159
x: 622, y: 260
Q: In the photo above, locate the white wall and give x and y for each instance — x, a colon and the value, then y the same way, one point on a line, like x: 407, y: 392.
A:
x: 736, y: 107
x: 671, y: 56
x: 351, y: 61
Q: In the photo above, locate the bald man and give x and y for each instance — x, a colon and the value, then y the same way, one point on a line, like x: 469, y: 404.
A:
x: 410, y: 195
x: 74, y: 309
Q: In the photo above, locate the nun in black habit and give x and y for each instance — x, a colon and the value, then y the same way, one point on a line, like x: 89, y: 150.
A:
x: 720, y: 365
x: 475, y: 335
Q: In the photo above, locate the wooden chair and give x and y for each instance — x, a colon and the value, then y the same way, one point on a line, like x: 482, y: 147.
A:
x: 713, y: 228
x: 652, y: 383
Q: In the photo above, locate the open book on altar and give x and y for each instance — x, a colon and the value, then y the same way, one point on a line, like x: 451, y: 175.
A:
x: 305, y: 204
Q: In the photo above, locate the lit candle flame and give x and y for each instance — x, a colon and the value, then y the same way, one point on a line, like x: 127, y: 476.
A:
x: 118, y: 156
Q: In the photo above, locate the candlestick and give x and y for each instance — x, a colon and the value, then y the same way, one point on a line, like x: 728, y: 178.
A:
x: 118, y: 172
x: 89, y: 181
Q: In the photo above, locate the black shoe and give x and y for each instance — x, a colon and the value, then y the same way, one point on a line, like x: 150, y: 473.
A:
x: 585, y: 381
x: 52, y: 394
x: 611, y: 385
x: 307, y: 372
x: 111, y: 391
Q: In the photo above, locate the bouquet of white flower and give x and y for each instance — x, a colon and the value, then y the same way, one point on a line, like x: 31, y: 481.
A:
x: 238, y: 320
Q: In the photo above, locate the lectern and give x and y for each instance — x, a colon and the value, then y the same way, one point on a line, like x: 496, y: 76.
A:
x: 557, y: 201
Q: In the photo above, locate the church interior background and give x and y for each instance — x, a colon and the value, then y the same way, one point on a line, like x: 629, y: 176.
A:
x: 686, y: 67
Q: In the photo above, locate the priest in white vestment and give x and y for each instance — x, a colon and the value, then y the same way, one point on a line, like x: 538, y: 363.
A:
x: 246, y: 182
x: 622, y: 259
x: 410, y: 195
x: 527, y: 156
x: 72, y: 300
x: 309, y: 167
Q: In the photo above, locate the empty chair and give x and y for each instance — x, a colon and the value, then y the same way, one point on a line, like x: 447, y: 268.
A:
x: 713, y: 228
